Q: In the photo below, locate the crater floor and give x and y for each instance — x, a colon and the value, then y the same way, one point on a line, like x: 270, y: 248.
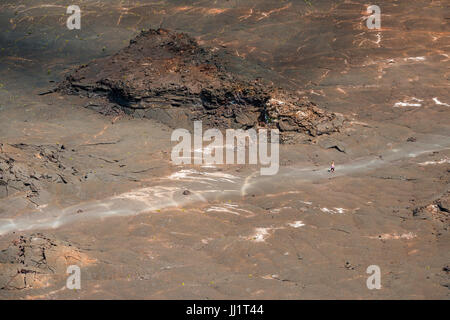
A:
x: 99, y: 191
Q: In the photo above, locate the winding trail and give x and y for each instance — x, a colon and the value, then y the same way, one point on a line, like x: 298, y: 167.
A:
x: 206, y: 186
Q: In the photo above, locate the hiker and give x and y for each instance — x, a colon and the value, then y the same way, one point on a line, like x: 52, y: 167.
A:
x: 332, y: 166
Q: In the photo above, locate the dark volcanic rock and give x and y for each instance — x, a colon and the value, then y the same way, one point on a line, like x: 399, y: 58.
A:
x: 31, y: 261
x: 438, y: 211
x: 444, y: 203
x: 16, y: 176
x: 167, y: 76
x: 26, y: 168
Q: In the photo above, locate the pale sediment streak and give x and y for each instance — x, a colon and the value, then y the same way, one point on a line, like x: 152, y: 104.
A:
x: 395, y: 236
x: 436, y: 101
x: 413, y: 102
x: 442, y: 161
x: 231, y: 208
x: 415, y: 59
x: 296, y: 224
x: 143, y: 200
x: 204, y: 186
x: 333, y: 211
x: 291, y: 176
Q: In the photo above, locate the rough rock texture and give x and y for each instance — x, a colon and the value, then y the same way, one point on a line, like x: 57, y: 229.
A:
x: 30, y: 261
x: 438, y: 211
x: 317, y: 232
x: 16, y: 174
x: 444, y: 203
x: 16, y: 177
x: 290, y: 114
x: 167, y: 76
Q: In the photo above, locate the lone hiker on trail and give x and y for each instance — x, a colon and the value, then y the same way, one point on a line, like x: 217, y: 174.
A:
x: 332, y: 166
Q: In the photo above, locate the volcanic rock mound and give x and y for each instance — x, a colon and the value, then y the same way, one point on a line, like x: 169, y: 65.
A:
x: 167, y: 76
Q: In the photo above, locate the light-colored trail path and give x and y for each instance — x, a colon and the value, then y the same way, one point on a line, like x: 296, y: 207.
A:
x: 207, y: 186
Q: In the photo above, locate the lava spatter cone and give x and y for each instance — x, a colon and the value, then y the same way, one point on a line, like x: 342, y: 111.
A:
x: 168, y: 76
